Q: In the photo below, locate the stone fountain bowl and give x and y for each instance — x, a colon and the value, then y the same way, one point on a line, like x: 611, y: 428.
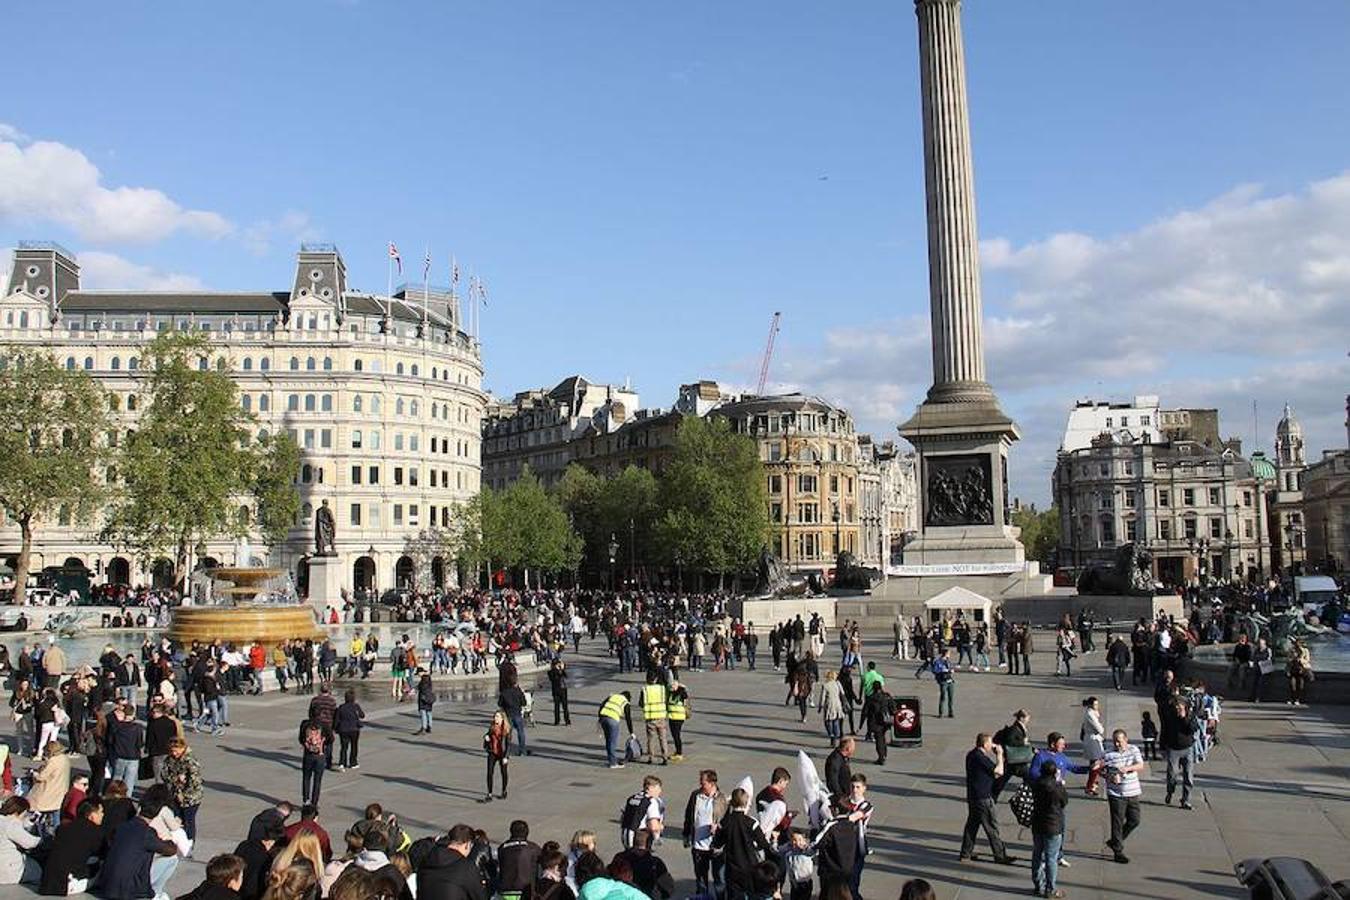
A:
x: 244, y: 574
x: 245, y: 622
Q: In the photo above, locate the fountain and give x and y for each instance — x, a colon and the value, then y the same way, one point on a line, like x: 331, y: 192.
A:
x: 243, y: 603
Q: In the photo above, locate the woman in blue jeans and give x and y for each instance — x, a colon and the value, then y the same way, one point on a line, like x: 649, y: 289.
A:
x: 1047, y: 830
x: 312, y: 761
x: 426, y: 700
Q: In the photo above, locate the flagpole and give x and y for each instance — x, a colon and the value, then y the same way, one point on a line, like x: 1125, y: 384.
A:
x: 389, y: 284
x: 426, y: 285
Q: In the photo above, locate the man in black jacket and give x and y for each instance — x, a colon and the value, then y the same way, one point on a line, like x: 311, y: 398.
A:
x: 739, y: 838
x: 67, y: 868
x: 446, y: 873
x: 650, y: 874
x: 1117, y: 657
x: 838, y: 773
x: 1175, y: 737
x: 257, y: 854
x: 557, y: 682
x: 158, y: 733
x: 224, y: 877
x: 517, y: 859
x: 837, y: 846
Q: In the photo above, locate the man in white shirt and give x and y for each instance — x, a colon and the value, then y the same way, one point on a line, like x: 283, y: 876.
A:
x: 1122, y: 765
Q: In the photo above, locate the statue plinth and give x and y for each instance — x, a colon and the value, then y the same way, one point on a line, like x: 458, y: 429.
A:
x: 325, y: 584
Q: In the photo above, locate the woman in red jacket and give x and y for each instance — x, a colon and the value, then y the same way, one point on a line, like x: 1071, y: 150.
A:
x: 497, y: 743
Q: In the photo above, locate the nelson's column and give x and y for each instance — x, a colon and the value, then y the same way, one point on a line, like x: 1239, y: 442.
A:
x: 961, y: 434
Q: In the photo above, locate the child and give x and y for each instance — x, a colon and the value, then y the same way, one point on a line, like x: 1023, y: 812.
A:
x: 800, y: 861
x: 1149, y: 732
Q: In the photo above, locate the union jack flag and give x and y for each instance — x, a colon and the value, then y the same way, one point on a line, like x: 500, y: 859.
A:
x: 393, y: 254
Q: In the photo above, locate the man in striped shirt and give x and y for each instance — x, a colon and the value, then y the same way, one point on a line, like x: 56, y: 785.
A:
x: 1122, y: 765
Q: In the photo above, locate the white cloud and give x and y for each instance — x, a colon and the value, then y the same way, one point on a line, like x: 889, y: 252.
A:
x: 108, y: 271
x: 293, y: 227
x: 45, y: 181
x: 1245, y: 298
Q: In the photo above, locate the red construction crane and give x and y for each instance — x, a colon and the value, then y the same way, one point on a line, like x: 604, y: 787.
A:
x: 768, y: 354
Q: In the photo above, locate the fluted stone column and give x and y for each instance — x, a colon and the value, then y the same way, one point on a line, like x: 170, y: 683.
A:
x: 953, y: 249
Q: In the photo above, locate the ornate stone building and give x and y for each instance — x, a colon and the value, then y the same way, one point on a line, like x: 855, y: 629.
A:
x: 1326, y: 511
x: 1200, y: 510
x: 383, y: 395
x: 810, y: 456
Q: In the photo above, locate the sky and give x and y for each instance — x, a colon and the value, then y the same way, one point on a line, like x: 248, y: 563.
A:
x: 1163, y: 189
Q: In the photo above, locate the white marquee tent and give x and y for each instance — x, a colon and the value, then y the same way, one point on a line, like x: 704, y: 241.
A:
x: 973, y: 607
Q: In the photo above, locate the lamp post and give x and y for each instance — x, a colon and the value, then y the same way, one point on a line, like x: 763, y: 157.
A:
x: 632, y: 551
x: 613, y: 552
x: 838, y: 544
x: 679, y: 574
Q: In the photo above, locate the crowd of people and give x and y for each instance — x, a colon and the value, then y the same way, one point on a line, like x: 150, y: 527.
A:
x: 130, y: 715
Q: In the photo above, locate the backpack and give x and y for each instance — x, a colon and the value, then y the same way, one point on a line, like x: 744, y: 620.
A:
x: 399, y: 657
x: 1023, y: 803
x: 634, y: 748
x: 313, y: 739
x: 634, y: 809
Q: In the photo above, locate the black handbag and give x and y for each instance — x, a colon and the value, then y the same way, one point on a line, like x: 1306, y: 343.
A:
x: 1023, y: 803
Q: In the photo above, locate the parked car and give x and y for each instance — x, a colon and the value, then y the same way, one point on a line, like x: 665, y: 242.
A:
x: 38, y: 597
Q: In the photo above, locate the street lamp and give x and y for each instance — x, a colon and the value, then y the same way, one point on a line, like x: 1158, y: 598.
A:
x: 679, y: 574
x: 837, y: 543
x: 613, y: 552
x: 632, y: 545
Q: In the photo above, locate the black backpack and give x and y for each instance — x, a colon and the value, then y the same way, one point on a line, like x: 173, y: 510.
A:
x: 634, y: 809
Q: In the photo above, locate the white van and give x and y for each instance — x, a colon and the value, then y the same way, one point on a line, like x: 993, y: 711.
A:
x: 1313, y: 592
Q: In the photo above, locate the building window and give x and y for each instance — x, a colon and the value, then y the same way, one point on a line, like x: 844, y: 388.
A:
x: 775, y: 512
x: 1164, y: 498
x: 398, y: 406
x: 1108, y: 531
x: 808, y: 513
x: 806, y: 484
x: 326, y: 438
x: 309, y: 439
x: 1131, y: 530
x: 309, y: 364
x: 295, y: 364
x: 1247, y: 528
x: 88, y: 363
x: 1189, y: 530
x: 356, y: 439
x: 326, y: 403
x: 248, y: 364
x: 247, y: 402
x: 328, y: 363
x: 356, y: 474
x: 1246, y: 498
x: 412, y: 442
x: 1129, y: 500
x: 309, y: 403
x: 373, y: 475
x: 356, y: 403
x: 398, y: 513
x: 293, y: 403
x: 412, y: 476
x: 1188, y: 496
x: 398, y: 474
x: 398, y: 440
x: 1165, y: 529
x: 1216, y: 527
x: 775, y: 484
x: 264, y: 404
x: 1214, y: 496
x: 398, y: 368
x: 264, y: 364
x: 356, y: 514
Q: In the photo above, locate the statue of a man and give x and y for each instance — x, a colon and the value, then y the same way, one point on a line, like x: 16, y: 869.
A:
x: 325, y: 531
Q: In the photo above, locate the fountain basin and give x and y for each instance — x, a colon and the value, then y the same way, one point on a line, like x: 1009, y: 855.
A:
x: 240, y: 624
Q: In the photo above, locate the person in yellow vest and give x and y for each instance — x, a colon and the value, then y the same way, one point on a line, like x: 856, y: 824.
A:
x: 615, y: 708
x: 677, y: 708
x: 656, y: 713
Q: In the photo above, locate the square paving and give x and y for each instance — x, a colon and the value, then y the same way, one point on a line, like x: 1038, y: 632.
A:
x: 1277, y: 784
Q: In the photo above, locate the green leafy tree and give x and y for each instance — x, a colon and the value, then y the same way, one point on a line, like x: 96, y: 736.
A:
x: 1040, y: 531
x: 713, y: 501
x: 190, y: 460
x: 276, y: 463
x: 534, y: 530
x: 579, y: 492
x: 629, y: 508
x: 52, y: 448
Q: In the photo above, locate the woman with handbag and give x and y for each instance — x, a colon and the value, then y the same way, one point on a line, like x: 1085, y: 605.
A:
x: 1263, y: 663
x: 22, y: 706
x: 49, y: 716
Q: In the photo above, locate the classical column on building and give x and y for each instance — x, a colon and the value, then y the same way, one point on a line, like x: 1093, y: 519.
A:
x: 949, y: 180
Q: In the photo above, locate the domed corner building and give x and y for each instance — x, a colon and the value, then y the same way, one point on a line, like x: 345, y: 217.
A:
x: 382, y: 394
x: 1284, y: 496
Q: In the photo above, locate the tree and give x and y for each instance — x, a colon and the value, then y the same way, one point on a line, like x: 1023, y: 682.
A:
x: 629, y: 507
x: 1040, y: 531
x: 276, y: 465
x: 533, y: 529
x: 52, y: 426
x: 190, y: 460
x: 714, y: 506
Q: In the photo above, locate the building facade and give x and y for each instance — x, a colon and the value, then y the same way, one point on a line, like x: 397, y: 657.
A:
x: 536, y: 428
x: 382, y: 394
x: 1138, y: 419
x: 1326, y: 511
x: 810, y: 455
x: 1199, y: 510
x: 1284, y: 496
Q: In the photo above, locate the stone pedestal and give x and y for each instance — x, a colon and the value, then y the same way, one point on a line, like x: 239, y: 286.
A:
x: 325, y: 584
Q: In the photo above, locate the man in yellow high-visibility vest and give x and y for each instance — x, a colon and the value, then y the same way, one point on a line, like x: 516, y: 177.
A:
x: 617, y: 707
x: 656, y: 713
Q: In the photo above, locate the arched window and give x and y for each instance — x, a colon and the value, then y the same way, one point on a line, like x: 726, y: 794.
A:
x: 295, y: 364
x: 265, y: 364
x: 412, y: 408
x: 398, y: 407
x: 248, y: 364
x: 433, y: 373
x: 357, y: 365
x: 357, y: 403
x: 309, y: 364
x: 307, y: 511
x: 220, y: 364
x: 131, y: 402
x: 116, y: 364
x: 414, y: 370
x: 328, y: 363
x: 375, y: 403
x: 309, y: 403
x: 63, y: 516
x: 445, y: 411
x: 242, y: 516
x: 398, y: 369
x: 293, y: 402
x: 88, y: 363
x: 247, y: 401
x: 326, y: 402
x: 306, y: 473
x: 262, y: 435
x: 114, y: 402
x: 70, y: 362
x: 202, y: 364
x: 134, y: 363
x: 263, y: 403
x: 435, y: 411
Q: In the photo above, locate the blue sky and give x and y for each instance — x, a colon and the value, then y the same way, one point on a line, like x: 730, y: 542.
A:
x: 642, y: 185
